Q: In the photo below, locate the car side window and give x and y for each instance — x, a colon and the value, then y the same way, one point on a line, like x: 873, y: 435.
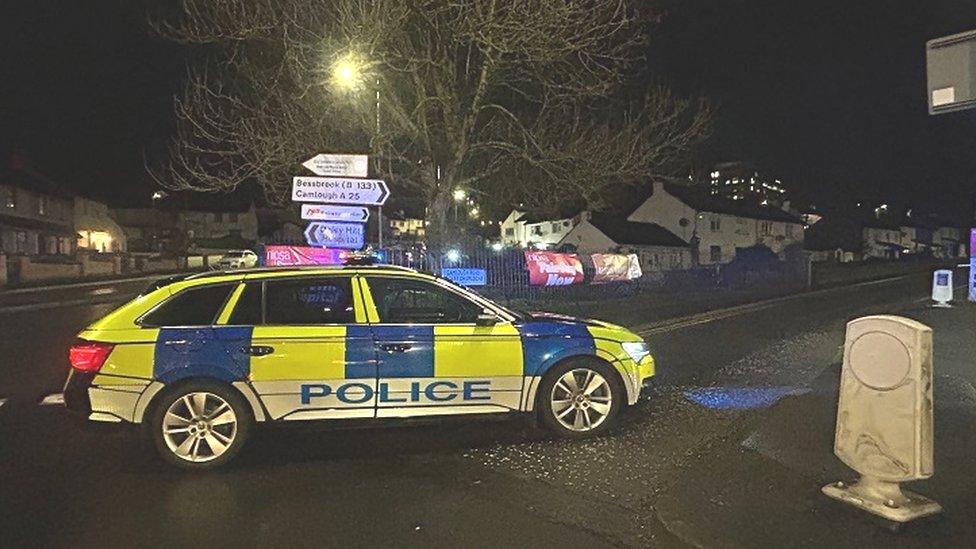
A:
x: 309, y: 301
x: 191, y: 307
x: 406, y: 301
x: 248, y: 311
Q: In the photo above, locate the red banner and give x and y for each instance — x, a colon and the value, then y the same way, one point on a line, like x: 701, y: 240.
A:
x: 615, y: 268
x: 552, y: 269
x: 287, y: 256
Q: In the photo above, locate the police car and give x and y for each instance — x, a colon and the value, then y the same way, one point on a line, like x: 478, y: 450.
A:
x: 199, y: 360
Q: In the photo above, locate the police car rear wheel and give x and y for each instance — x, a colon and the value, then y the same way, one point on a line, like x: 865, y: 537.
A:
x: 200, y: 425
x: 580, y: 398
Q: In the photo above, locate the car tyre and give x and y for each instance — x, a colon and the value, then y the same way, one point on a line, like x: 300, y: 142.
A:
x: 580, y: 398
x: 199, y: 425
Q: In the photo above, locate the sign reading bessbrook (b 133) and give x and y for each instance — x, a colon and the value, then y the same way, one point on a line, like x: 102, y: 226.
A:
x: 339, y: 190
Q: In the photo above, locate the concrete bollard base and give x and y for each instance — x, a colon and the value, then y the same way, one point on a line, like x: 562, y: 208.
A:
x: 883, y: 498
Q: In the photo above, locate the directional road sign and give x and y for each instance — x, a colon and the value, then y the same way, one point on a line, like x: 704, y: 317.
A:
x: 339, y: 190
x: 328, y: 212
x: 343, y: 165
x: 334, y: 234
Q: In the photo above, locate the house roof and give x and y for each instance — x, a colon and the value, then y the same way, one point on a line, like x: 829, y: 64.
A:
x: 33, y: 181
x: 532, y: 218
x: 634, y: 233
x: 701, y: 201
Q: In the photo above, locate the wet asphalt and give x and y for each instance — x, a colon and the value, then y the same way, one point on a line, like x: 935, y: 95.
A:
x: 446, y: 483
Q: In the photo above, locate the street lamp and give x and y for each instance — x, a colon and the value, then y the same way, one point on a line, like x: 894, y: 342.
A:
x: 347, y: 73
x: 459, y: 195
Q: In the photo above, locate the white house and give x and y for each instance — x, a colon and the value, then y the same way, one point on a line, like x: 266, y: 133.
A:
x: 716, y: 226
x: 219, y: 223
x: 528, y: 231
x: 948, y: 242
x: 657, y: 248
x: 888, y: 241
x: 97, y: 229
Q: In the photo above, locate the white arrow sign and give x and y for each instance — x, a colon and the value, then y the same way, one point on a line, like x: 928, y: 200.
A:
x: 339, y: 190
x: 343, y: 165
x: 325, y: 212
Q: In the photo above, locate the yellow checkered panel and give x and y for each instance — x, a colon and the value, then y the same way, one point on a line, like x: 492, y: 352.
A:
x: 299, y: 352
x: 477, y: 351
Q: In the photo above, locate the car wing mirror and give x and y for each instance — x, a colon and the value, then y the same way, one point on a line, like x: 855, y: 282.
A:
x: 486, y: 318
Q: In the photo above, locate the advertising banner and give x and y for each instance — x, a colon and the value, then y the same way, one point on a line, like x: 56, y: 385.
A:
x: 552, y: 269
x: 615, y: 268
x: 288, y: 256
x: 466, y: 277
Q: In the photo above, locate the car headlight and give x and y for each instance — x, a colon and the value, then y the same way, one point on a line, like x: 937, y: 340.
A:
x: 637, y: 350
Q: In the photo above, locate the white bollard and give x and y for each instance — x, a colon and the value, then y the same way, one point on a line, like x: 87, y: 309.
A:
x: 942, y: 288
x: 884, y: 416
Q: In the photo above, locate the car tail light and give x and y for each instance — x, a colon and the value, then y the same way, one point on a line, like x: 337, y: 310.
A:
x: 89, y: 356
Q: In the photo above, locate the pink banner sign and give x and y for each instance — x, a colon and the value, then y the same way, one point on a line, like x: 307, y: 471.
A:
x: 552, y: 269
x: 288, y: 256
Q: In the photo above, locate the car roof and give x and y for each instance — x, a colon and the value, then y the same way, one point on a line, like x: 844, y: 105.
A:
x: 270, y: 272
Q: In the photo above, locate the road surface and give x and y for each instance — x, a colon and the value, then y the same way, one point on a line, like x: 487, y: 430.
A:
x: 451, y: 483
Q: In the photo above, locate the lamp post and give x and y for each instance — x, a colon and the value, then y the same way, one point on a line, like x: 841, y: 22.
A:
x: 459, y: 196
x: 348, y: 74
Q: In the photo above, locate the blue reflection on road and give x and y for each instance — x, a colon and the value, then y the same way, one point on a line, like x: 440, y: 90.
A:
x: 741, y: 398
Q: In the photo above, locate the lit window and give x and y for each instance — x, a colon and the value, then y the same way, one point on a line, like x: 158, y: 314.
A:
x: 42, y: 205
x: 10, y: 198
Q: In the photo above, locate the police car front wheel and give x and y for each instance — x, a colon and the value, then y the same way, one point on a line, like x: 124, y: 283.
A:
x: 580, y: 398
x: 200, y: 425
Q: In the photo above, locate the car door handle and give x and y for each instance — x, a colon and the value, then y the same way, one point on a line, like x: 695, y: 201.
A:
x: 395, y: 347
x: 258, y: 350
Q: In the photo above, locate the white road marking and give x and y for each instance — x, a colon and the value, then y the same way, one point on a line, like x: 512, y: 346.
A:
x: 81, y: 284
x: 55, y: 399
x: 43, y: 306
x: 719, y: 314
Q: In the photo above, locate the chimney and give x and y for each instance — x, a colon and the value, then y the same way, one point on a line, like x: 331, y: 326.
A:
x: 658, y: 186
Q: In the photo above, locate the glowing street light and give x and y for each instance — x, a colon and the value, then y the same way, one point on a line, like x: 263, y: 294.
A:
x: 453, y: 256
x: 347, y: 73
x: 459, y: 194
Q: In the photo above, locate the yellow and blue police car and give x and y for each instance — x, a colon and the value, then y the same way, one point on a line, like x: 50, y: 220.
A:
x: 199, y: 359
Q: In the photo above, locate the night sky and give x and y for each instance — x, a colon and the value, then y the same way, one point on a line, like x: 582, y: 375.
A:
x: 829, y: 96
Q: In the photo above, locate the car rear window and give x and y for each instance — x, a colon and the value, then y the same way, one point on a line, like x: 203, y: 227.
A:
x: 191, y: 307
x: 320, y: 300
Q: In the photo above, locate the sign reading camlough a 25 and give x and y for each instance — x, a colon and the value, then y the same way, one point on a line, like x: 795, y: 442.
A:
x: 552, y: 269
x: 334, y: 234
x: 324, y: 212
x: 342, y: 165
x: 339, y: 190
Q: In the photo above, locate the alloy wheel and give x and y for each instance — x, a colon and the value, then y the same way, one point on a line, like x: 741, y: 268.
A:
x: 199, y: 426
x: 581, y: 399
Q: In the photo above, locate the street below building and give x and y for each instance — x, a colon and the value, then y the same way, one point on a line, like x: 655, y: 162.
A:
x: 728, y: 448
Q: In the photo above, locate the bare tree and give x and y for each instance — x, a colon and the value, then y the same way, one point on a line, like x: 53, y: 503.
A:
x: 525, y: 101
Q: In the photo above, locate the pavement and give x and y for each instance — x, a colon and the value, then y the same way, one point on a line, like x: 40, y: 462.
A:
x: 728, y: 449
